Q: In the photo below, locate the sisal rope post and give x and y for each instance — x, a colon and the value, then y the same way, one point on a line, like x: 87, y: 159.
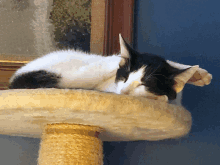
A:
x: 70, y: 144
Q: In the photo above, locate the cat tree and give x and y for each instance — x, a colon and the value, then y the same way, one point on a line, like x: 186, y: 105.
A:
x: 73, y: 123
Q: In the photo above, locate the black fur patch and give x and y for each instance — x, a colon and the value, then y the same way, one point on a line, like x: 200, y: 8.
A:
x: 123, y: 71
x: 158, y: 77
x: 35, y: 79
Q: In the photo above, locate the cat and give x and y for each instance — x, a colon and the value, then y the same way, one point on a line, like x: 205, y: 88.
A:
x: 129, y: 73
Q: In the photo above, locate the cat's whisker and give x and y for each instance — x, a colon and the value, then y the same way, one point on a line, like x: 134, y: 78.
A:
x: 152, y: 72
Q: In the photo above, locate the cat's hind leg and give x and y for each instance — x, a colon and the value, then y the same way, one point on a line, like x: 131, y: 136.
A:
x: 35, y: 79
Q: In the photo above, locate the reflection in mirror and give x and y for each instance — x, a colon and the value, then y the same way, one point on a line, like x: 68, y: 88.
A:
x: 72, y: 23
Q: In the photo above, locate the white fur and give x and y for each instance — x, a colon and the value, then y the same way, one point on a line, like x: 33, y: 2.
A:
x: 178, y: 65
x: 133, y: 85
x: 70, y: 60
x: 77, y: 69
x: 134, y: 76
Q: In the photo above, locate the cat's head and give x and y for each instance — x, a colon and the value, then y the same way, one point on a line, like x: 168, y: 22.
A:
x: 145, y: 74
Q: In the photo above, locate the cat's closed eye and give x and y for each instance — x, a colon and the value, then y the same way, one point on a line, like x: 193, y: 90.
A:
x: 122, y: 74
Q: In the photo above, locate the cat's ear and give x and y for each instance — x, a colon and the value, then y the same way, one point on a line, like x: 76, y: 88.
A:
x: 182, y: 78
x: 124, y: 48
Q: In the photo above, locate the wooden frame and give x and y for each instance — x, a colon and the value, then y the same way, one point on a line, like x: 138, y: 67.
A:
x: 8, y: 67
x: 6, y: 70
x: 109, y: 18
x: 119, y: 19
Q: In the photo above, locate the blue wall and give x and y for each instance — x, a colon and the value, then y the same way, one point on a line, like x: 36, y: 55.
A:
x: 185, y: 31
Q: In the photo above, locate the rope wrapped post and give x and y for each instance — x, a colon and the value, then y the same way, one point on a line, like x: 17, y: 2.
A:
x: 70, y: 144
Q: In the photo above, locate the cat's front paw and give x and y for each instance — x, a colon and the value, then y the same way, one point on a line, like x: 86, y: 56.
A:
x: 200, y: 78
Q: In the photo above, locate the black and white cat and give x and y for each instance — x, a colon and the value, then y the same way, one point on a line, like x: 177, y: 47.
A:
x: 130, y: 73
